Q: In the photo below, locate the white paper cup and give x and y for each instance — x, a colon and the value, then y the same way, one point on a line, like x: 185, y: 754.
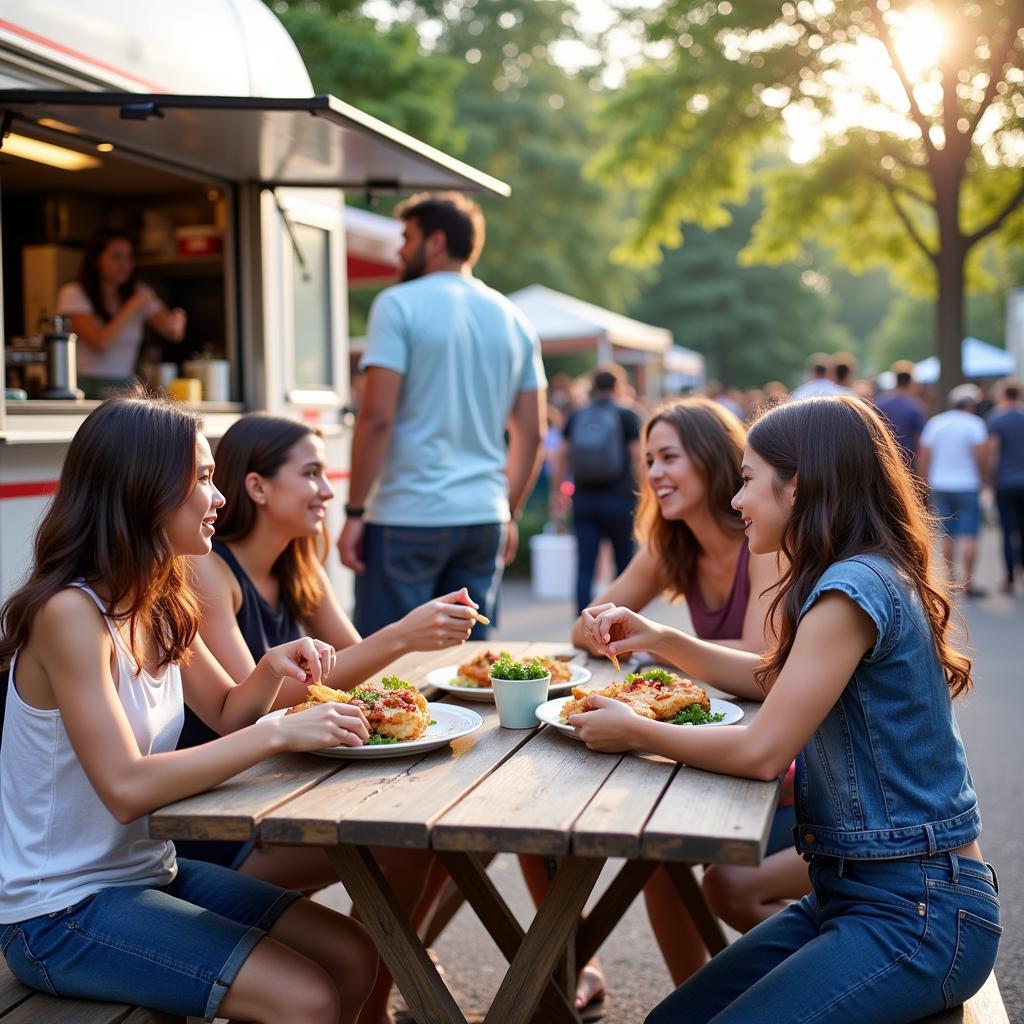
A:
x: 518, y: 700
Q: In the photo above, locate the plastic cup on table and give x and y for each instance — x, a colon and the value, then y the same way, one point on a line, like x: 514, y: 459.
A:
x: 518, y: 700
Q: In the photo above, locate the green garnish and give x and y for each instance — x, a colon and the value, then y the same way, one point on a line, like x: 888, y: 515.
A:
x: 368, y: 697
x: 376, y: 740
x: 459, y: 681
x: 508, y: 668
x: 696, y: 715
x: 657, y: 675
x: 394, y: 683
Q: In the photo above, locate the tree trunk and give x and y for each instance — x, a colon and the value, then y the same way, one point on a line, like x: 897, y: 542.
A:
x: 949, y: 310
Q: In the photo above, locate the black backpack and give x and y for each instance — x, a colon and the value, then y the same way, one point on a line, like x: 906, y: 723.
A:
x: 597, y: 444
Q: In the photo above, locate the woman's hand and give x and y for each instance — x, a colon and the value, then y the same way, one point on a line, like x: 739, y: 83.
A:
x: 437, y: 624
x: 326, y: 725
x: 305, y: 659
x: 608, y: 726
x: 176, y: 321
x: 612, y: 629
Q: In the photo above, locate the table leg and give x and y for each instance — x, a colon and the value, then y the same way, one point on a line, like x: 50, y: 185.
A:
x: 530, y: 970
x: 707, y: 924
x: 398, y: 944
x: 608, y: 911
x: 469, y: 874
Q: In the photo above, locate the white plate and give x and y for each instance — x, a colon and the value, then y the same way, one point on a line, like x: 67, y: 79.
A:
x: 442, y: 679
x: 551, y: 711
x: 448, y: 723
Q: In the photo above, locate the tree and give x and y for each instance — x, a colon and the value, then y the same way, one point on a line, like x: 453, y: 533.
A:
x: 921, y: 159
x: 754, y: 324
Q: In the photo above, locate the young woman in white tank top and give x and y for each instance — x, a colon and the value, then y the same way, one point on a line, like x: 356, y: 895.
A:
x: 103, y: 648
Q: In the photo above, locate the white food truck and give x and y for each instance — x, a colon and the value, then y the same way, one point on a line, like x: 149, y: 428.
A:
x: 191, y: 126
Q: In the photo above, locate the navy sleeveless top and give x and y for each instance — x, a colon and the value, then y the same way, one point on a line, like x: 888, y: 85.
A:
x: 262, y: 628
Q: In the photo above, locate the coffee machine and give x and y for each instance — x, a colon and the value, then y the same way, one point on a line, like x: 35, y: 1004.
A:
x: 45, y: 364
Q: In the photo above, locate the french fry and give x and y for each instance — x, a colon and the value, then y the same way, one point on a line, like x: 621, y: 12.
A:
x: 482, y: 619
x: 615, y: 661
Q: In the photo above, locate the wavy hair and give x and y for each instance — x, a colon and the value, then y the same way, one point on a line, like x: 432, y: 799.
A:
x: 713, y: 439
x: 89, y: 272
x: 854, y: 495
x: 131, y: 463
x: 259, y: 443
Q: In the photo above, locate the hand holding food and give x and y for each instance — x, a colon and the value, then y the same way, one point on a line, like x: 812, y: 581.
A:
x: 612, y: 630
x: 305, y: 659
x: 394, y: 710
x: 323, y: 725
x: 605, y: 725
x: 440, y: 623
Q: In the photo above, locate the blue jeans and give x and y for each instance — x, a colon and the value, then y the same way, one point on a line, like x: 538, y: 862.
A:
x: 959, y: 512
x: 595, y: 516
x: 175, y: 949
x: 881, y: 941
x: 408, y: 565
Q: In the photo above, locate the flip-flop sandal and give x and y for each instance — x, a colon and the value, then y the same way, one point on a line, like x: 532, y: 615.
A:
x: 596, y: 1009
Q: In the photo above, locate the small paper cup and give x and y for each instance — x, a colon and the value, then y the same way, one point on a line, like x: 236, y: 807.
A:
x: 518, y: 700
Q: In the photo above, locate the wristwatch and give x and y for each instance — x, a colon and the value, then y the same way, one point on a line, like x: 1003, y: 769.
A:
x: 355, y: 511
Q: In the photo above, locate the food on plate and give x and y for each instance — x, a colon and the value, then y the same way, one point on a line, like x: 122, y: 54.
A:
x: 657, y: 694
x: 395, y: 710
x: 477, y: 670
x: 509, y: 669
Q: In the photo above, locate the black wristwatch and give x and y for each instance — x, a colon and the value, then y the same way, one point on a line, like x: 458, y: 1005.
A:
x: 355, y: 511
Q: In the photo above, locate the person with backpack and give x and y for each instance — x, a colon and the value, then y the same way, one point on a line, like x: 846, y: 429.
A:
x: 601, y: 452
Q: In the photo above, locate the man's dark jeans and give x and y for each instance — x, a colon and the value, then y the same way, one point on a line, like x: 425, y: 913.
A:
x: 595, y: 516
x: 1010, y: 503
x: 409, y: 565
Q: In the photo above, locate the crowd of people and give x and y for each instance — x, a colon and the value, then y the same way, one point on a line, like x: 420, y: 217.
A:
x: 171, y: 604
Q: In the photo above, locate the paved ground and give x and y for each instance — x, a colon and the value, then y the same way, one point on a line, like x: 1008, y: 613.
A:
x: 990, y: 722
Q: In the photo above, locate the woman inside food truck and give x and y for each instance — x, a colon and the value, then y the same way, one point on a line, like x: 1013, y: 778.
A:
x: 109, y: 309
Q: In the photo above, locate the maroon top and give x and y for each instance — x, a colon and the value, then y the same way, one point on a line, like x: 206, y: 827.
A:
x: 725, y: 623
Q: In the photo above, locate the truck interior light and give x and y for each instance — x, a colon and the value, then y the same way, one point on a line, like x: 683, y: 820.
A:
x: 47, y: 153
x: 58, y: 126
x: 105, y: 147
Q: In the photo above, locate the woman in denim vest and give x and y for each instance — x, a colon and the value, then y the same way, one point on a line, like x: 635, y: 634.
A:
x: 903, y: 919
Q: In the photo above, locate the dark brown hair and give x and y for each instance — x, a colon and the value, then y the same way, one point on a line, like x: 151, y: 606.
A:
x: 456, y: 215
x: 89, y: 273
x: 259, y: 443
x: 131, y: 463
x: 713, y: 439
x: 854, y: 495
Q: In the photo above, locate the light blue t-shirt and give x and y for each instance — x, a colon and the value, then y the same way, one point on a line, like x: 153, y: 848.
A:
x: 465, y: 352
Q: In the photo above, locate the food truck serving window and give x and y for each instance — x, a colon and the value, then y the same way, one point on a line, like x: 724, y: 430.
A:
x: 308, y: 141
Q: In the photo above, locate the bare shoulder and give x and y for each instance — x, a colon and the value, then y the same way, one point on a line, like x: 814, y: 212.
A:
x: 70, y: 609
x: 68, y: 629
x: 214, y: 582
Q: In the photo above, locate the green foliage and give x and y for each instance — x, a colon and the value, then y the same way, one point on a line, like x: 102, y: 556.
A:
x: 394, y: 683
x: 753, y: 323
x: 507, y: 667
x: 696, y: 715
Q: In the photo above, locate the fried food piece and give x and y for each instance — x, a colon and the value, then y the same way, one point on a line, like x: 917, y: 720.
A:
x: 393, y: 708
x: 655, y: 694
x: 561, y: 671
x: 477, y: 670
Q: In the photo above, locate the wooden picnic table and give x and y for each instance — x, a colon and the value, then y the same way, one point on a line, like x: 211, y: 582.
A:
x: 497, y: 791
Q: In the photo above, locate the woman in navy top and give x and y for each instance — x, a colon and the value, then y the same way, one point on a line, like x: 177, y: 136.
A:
x: 903, y: 919
x: 264, y: 577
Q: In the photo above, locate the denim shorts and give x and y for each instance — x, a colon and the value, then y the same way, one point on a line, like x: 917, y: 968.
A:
x: 885, y: 941
x: 176, y: 948
x: 959, y: 512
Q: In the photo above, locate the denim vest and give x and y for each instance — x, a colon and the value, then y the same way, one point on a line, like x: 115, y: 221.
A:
x: 885, y: 774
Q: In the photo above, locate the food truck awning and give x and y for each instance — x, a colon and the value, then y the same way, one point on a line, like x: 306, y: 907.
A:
x: 371, y: 246
x: 568, y: 325
x: 312, y: 141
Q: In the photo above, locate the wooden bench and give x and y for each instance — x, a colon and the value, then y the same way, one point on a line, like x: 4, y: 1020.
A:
x: 984, y: 1007
x: 21, y: 1005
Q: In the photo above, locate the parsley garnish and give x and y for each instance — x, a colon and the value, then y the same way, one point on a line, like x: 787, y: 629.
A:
x: 508, y: 668
x: 696, y: 715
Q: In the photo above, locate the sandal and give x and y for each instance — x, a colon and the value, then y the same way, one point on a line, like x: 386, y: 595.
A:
x: 596, y: 1009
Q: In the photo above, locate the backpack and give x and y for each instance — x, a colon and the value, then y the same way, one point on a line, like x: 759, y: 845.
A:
x: 597, y: 445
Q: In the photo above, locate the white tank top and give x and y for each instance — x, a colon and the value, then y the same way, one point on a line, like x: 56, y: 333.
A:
x: 58, y: 842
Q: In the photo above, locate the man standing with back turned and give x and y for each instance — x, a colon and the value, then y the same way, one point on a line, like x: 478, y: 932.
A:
x: 450, y: 366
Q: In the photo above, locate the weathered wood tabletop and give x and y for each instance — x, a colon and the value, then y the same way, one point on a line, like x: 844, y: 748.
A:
x: 496, y: 790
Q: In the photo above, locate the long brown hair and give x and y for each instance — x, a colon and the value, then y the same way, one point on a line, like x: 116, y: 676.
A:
x: 259, y: 443
x: 89, y: 273
x: 130, y: 464
x: 854, y: 495
x: 713, y: 439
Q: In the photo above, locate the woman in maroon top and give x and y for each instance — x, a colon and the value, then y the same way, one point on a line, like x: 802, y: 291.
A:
x: 692, y: 549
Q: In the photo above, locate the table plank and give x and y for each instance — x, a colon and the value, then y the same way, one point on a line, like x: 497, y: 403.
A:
x: 233, y: 809
x: 612, y: 823
x: 529, y: 803
x: 707, y: 817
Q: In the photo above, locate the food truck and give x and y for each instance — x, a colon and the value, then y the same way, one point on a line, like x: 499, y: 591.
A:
x: 192, y: 127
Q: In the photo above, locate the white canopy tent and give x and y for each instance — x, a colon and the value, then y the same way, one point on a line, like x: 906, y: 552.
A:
x: 977, y: 359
